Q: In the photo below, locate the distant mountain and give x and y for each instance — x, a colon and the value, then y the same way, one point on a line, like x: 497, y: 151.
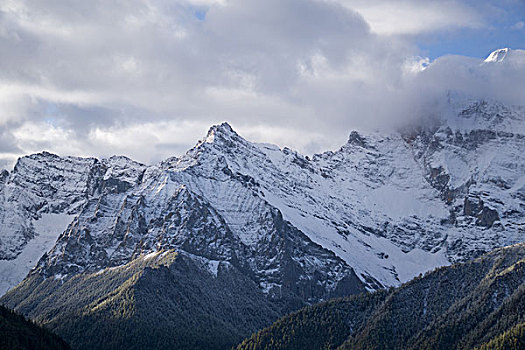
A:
x: 506, y: 55
x: 475, y: 304
x: 18, y: 333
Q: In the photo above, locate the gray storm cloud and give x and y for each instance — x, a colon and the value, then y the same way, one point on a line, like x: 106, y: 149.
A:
x: 147, y: 78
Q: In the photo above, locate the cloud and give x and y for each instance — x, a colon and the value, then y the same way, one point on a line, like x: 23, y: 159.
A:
x: 147, y: 78
x: 499, y: 80
x: 416, y: 16
x: 519, y: 25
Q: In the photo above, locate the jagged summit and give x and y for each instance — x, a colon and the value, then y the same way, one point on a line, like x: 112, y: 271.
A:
x: 498, y: 55
x: 223, y: 130
x: 507, y: 55
x: 223, y: 127
x: 47, y: 154
x: 121, y: 159
x: 219, y: 137
x: 356, y: 139
x: 41, y: 156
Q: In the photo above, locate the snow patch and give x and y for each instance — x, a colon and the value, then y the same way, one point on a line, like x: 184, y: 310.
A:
x: 213, y: 267
x: 47, y: 230
x: 498, y: 55
x: 149, y: 256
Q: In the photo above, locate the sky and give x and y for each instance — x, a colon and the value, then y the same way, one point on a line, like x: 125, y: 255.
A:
x: 147, y: 79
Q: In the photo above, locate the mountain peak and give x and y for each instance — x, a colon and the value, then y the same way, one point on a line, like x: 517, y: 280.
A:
x: 224, y: 128
x: 498, y: 55
x: 507, y: 55
x: 356, y: 139
x: 44, y: 155
x: 122, y: 161
x: 222, y: 131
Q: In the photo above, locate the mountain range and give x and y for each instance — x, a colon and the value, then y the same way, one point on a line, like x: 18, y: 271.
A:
x: 232, y: 235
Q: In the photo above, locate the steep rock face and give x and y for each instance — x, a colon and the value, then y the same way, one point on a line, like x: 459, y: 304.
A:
x: 45, y: 183
x: 40, y: 183
x: 37, y: 200
x: 41, y: 196
x: 474, y: 158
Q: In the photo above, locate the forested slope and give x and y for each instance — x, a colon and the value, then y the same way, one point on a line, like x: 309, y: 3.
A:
x: 18, y: 333
x: 475, y: 304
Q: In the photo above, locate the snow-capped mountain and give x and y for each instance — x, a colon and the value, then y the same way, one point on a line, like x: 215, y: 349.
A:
x: 377, y: 212
x: 234, y: 234
x: 507, y: 54
x: 38, y: 199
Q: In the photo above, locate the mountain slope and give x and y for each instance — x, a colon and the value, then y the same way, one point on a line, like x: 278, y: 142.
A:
x: 214, y: 271
x: 513, y: 339
x: 456, y: 307
x: 18, y: 333
x: 161, y: 300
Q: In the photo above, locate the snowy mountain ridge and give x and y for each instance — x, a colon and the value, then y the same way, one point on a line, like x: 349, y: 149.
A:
x: 377, y: 212
x: 506, y: 54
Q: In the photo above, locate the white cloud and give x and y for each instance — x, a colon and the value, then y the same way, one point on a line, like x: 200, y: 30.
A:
x: 416, y: 16
x: 140, y: 139
x: 147, y: 78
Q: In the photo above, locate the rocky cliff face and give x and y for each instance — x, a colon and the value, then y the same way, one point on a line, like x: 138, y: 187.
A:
x: 40, y: 197
x: 474, y: 159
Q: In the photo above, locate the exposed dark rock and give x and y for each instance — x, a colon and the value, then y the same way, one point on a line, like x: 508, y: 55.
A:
x: 4, y: 174
x: 487, y: 217
x: 472, y: 206
x: 356, y: 139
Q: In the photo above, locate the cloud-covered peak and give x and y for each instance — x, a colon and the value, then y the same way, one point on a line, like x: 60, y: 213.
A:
x: 356, y: 139
x: 498, y: 55
x: 506, y: 55
x: 498, y: 78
